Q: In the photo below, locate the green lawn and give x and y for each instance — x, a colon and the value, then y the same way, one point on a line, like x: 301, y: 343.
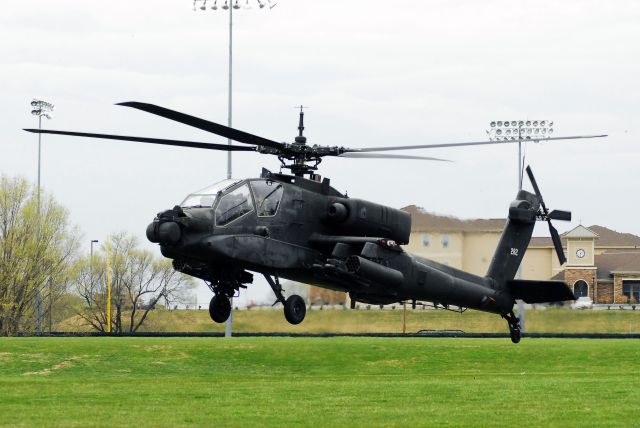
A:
x: 318, y: 382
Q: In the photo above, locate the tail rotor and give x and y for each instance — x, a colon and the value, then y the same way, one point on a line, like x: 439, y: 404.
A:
x: 547, y: 216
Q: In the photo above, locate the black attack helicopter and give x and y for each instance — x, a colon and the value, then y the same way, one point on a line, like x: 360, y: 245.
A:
x: 297, y: 226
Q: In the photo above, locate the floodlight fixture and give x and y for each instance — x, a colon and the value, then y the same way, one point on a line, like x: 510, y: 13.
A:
x: 231, y: 4
x: 520, y: 130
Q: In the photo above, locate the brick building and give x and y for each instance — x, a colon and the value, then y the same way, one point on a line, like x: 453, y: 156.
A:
x: 604, y: 266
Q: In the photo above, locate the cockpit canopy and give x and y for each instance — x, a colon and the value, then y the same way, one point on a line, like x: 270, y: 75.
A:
x: 204, y: 198
x: 232, y: 201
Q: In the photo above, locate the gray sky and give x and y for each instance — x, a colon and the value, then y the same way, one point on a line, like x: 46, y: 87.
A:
x: 375, y: 73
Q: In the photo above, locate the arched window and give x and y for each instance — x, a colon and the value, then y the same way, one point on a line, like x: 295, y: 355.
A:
x: 581, y: 289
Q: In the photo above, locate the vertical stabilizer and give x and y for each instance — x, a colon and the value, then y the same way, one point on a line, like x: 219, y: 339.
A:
x: 515, y: 238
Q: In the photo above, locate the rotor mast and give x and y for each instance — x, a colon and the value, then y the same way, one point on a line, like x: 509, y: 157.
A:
x: 299, y: 167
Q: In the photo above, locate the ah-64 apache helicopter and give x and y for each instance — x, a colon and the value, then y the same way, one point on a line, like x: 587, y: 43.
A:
x: 297, y: 226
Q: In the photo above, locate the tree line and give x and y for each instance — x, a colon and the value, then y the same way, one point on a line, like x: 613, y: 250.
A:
x: 43, y: 271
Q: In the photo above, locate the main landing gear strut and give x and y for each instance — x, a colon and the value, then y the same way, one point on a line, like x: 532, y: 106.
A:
x: 294, y: 306
x: 224, y: 286
x: 514, y: 326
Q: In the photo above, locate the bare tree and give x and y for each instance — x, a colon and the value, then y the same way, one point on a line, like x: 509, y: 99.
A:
x: 139, y: 281
x: 37, y: 247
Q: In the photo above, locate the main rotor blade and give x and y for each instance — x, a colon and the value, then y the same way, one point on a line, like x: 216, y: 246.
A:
x: 471, y: 143
x: 384, y: 156
x: 196, y: 144
x: 205, y: 125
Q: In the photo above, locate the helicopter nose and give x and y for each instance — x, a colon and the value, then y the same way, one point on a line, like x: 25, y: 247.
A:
x: 164, y: 233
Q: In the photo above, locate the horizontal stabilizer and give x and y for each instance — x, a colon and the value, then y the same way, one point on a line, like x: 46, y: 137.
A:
x: 540, y: 291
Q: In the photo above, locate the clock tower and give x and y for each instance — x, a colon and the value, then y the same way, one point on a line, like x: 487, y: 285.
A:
x: 580, y: 270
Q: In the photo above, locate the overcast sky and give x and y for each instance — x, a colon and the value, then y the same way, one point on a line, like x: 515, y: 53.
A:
x: 374, y: 73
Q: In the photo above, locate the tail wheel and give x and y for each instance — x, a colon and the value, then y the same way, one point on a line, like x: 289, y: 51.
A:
x: 515, y: 335
x: 219, y: 308
x: 295, y: 309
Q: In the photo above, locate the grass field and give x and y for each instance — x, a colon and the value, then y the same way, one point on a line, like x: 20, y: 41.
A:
x: 318, y: 382
x: 555, y: 320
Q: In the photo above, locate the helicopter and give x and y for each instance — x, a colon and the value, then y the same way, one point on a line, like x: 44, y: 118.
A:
x: 298, y: 227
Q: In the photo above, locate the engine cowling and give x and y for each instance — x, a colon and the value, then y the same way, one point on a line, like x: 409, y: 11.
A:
x: 357, y: 217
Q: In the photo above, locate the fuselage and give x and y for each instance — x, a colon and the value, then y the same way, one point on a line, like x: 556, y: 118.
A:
x: 307, y: 231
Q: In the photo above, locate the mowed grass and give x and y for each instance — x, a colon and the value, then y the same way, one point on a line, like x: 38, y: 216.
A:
x: 553, y: 320
x: 344, y: 381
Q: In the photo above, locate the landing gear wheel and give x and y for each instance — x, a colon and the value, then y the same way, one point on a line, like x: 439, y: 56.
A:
x: 514, y: 326
x: 515, y: 334
x: 219, y: 308
x: 295, y: 309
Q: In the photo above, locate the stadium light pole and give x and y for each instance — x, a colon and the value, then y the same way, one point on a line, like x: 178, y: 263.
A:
x: 41, y: 109
x: 230, y: 5
x: 520, y: 131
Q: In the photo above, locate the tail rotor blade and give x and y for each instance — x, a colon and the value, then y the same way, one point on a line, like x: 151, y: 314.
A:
x: 560, y: 215
x: 534, y: 183
x: 557, y: 243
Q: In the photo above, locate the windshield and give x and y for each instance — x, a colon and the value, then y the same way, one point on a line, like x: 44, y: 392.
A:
x: 267, y: 195
x: 234, y: 205
x: 204, y: 198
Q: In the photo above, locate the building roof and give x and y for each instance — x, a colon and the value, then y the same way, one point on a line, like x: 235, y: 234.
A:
x: 618, y: 262
x: 580, y: 232
x: 424, y: 221
x: 606, y: 238
x: 611, y: 238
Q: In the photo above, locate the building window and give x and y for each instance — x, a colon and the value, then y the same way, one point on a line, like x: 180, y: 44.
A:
x: 631, y: 289
x: 581, y: 289
x: 445, y: 241
x: 426, y: 240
